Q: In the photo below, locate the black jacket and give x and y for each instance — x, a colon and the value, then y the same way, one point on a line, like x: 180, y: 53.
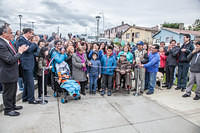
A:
x: 172, y: 56
x: 194, y: 66
x: 183, y: 55
x: 8, y: 63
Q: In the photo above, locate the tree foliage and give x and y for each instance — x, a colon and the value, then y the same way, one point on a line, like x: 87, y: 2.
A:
x: 196, y: 25
x: 171, y: 25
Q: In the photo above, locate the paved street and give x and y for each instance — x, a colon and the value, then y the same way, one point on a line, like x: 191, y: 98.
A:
x: 120, y: 113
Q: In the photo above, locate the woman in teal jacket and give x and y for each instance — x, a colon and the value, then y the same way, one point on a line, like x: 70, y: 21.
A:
x: 129, y: 55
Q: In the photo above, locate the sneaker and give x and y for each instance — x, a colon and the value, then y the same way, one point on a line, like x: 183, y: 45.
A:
x: 183, y: 89
x: 196, y: 97
x: 186, y: 95
x: 109, y: 93
x: 102, y: 93
x: 169, y: 87
x: 177, y: 88
x: 149, y: 93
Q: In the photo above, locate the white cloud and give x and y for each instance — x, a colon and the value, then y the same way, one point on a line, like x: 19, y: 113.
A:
x: 77, y: 16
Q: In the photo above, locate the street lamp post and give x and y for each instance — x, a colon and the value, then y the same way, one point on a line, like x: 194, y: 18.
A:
x: 102, y: 13
x: 20, y: 23
x: 98, y: 18
x: 32, y: 25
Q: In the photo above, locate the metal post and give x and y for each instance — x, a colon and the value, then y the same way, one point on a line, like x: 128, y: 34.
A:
x: 98, y: 18
x: 20, y: 23
x: 137, y: 79
x: 32, y: 25
x: 43, y: 101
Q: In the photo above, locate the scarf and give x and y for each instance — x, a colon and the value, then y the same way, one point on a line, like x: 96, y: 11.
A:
x: 82, y: 60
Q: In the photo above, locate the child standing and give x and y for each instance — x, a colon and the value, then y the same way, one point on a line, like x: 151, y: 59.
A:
x: 108, y: 63
x: 42, y: 62
x: 94, y: 72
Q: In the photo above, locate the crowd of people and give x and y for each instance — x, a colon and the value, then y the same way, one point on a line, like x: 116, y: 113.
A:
x: 101, y: 65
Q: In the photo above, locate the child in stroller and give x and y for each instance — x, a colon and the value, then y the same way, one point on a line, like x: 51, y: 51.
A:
x: 70, y: 87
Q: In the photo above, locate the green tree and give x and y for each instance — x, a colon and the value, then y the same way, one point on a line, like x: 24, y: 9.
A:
x: 171, y: 25
x: 196, y: 25
x: 190, y: 27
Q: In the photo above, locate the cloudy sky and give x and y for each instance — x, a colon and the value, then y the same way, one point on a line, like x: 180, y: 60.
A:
x: 78, y: 16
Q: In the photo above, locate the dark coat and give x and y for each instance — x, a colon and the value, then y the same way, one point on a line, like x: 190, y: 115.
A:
x: 8, y: 63
x: 172, y: 56
x: 183, y: 55
x: 27, y: 59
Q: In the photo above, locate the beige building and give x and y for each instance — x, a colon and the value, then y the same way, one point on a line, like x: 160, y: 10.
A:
x: 136, y: 33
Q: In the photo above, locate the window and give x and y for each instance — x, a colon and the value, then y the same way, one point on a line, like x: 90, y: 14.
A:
x: 168, y: 39
x: 137, y: 35
x: 127, y: 35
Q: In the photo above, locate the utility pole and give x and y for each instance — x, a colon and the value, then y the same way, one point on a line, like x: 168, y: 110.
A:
x: 32, y: 25
x: 20, y: 23
x: 102, y: 13
x: 58, y: 30
x: 97, y: 18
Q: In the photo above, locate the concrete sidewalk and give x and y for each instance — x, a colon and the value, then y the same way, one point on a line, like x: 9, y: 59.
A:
x: 185, y: 107
x: 120, y: 113
x: 18, y: 96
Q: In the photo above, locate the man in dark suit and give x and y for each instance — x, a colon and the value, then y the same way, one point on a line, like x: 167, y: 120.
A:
x: 28, y: 63
x: 9, y: 70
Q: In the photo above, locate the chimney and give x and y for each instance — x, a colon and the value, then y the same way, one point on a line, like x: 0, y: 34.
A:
x: 122, y: 22
x: 181, y: 26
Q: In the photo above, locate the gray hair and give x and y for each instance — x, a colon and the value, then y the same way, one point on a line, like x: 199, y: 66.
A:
x: 3, y: 28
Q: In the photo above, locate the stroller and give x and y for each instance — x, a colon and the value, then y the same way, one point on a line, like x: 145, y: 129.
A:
x: 64, y: 84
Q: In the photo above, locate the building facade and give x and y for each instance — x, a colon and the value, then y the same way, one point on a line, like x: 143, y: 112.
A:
x: 114, y: 32
x: 136, y: 33
x: 167, y: 34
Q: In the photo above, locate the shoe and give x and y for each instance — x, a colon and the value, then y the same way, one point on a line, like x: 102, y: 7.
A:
x: 12, y: 113
x: 24, y: 100
x: 18, y: 107
x: 165, y: 85
x: 186, y: 95
x: 169, y: 87
x: 118, y: 87
x: 196, y: 97
x: 34, y: 102
x: 183, y: 89
x: 149, y: 93
x: 109, y: 93
x: 102, y: 93
x: 83, y: 93
x: 177, y: 88
x: 47, y: 96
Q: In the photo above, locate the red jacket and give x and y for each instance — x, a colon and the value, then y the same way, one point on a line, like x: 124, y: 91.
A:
x: 163, y: 59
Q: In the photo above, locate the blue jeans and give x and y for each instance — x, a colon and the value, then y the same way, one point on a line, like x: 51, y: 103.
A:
x: 93, y: 82
x: 20, y: 83
x: 182, y: 74
x: 146, y: 80
x: 152, y: 81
